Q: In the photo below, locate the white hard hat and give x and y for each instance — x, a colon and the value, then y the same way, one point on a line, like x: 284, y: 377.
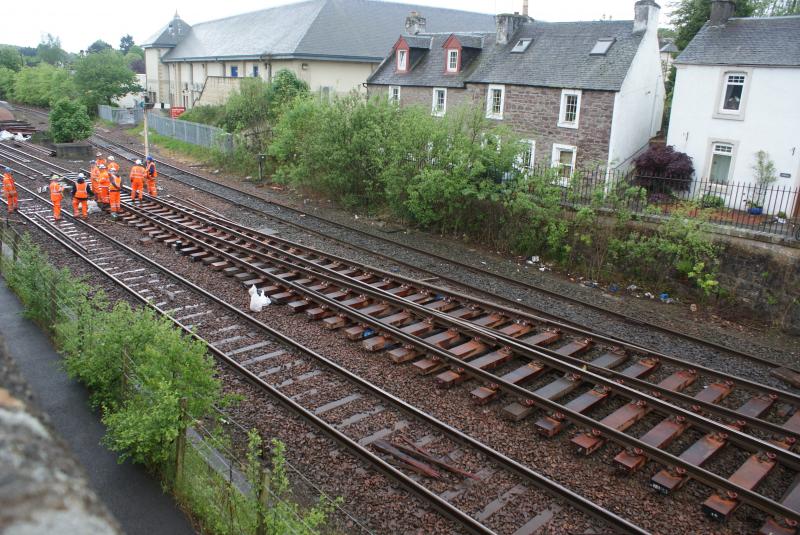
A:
x: 81, y: 175
x: 110, y: 158
x: 99, y: 154
x: 101, y: 166
x: 54, y: 177
x: 138, y: 162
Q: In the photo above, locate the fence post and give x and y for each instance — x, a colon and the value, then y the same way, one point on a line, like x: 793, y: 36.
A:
x: 180, y: 444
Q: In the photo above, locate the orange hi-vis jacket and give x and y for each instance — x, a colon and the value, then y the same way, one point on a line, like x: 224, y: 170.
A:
x: 56, y: 191
x: 151, y: 170
x: 9, y: 186
x: 80, y: 191
x: 114, y: 166
x: 138, y: 174
x: 115, y: 183
x: 99, y: 161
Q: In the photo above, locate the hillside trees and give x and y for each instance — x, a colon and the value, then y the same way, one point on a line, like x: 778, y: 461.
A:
x: 103, y: 76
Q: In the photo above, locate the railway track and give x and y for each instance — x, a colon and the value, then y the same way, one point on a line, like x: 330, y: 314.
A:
x: 447, y: 469
x: 268, y: 208
x: 575, y: 382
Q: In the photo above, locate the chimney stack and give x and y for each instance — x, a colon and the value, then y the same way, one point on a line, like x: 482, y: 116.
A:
x: 525, y: 8
x: 507, y: 25
x: 415, y: 23
x: 645, y: 16
x: 721, y: 11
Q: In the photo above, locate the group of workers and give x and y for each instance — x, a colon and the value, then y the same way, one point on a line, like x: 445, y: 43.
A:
x: 105, y: 184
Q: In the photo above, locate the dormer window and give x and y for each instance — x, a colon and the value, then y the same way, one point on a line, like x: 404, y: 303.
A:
x: 521, y: 46
x: 601, y: 46
x: 402, y: 60
x: 452, y: 60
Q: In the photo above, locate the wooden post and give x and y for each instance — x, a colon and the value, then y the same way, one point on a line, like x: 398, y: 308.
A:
x: 180, y: 444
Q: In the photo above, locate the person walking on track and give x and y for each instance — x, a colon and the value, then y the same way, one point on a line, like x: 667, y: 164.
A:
x: 56, y: 195
x: 10, y: 190
x: 80, y: 196
x: 114, y: 189
x: 152, y: 174
x: 138, y: 174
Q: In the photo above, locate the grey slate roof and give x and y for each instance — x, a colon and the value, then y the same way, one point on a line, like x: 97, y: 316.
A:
x: 669, y: 47
x: 428, y: 69
x: 169, y: 35
x: 557, y: 57
x: 772, y: 41
x: 357, y: 30
x: 418, y: 41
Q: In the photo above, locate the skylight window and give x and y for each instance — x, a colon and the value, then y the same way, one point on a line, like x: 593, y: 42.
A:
x: 601, y: 47
x: 522, y: 45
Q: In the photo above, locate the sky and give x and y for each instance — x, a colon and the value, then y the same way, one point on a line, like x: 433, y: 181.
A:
x: 78, y: 24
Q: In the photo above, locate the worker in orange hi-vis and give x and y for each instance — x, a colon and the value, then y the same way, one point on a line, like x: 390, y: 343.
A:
x: 10, y: 190
x: 138, y: 174
x: 152, y: 174
x: 112, y: 165
x: 99, y: 160
x: 94, y: 176
x: 114, y: 189
x: 102, y: 186
x: 56, y: 195
x: 80, y: 196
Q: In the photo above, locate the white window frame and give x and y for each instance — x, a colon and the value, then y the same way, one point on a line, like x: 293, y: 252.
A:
x: 490, y: 114
x: 530, y: 146
x: 391, y: 94
x: 434, y: 112
x: 402, y: 54
x: 710, y: 159
x: 450, y: 52
x: 562, y: 112
x: 556, y: 161
x: 720, y: 112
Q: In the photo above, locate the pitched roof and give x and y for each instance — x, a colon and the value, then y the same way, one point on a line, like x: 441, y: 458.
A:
x: 769, y: 41
x: 428, y: 69
x: 169, y: 35
x: 357, y: 30
x: 669, y: 47
x: 558, y: 56
x: 418, y: 41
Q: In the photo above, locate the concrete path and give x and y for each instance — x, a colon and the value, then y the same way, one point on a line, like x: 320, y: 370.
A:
x: 134, y: 497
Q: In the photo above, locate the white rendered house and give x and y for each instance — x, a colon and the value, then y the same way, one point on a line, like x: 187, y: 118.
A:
x: 737, y: 92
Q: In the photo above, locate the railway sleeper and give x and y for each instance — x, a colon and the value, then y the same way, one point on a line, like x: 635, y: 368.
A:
x: 791, y: 500
x: 721, y: 506
x: 552, y: 391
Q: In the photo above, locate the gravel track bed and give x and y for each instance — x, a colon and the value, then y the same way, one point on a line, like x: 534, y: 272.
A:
x: 554, y: 458
x: 370, y: 497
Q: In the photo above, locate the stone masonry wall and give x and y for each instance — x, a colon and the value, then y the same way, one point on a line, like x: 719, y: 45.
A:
x: 532, y: 112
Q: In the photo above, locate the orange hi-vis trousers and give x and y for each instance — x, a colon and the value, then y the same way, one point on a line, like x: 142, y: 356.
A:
x: 137, y: 188
x: 12, y: 198
x: 84, y: 204
x: 56, y: 200
x: 113, y: 197
x: 152, y: 190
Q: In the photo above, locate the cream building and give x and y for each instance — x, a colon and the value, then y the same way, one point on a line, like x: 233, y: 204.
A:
x: 334, y: 45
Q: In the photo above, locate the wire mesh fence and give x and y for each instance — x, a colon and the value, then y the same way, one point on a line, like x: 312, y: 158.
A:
x: 194, y: 133
x: 121, y: 116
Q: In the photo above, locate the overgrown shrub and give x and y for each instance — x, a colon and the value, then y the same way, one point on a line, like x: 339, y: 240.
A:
x: 662, y: 168
x: 69, y: 122
x: 43, y: 85
x: 7, y: 79
x: 712, y: 201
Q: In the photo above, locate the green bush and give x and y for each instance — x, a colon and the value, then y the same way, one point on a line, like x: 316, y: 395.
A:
x: 712, y: 201
x: 7, y: 79
x: 43, y: 85
x: 69, y: 122
x: 211, y: 115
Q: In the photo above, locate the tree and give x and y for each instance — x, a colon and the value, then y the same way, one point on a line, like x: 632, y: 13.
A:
x: 103, y: 76
x: 50, y: 51
x: 43, y: 85
x: 10, y: 58
x: 7, y: 78
x: 126, y: 43
x: 776, y: 8
x: 69, y: 122
x: 98, y: 46
x: 690, y: 15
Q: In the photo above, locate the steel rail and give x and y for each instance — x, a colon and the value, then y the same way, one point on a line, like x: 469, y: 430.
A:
x: 538, y: 480
x: 700, y: 474
x: 246, y: 233
x: 627, y: 318
x: 564, y: 363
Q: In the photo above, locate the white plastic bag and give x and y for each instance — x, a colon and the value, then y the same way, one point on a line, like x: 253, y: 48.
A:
x: 257, y: 299
x: 93, y: 208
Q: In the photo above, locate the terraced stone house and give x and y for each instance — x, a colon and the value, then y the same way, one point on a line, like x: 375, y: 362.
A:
x: 584, y: 94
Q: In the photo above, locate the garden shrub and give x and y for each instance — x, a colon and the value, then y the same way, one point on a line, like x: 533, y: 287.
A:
x: 712, y: 201
x: 69, y: 122
x: 661, y: 168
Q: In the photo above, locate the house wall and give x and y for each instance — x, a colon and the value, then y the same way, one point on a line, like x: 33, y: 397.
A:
x: 157, y: 75
x: 770, y: 122
x: 216, y: 90
x: 639, y: 105
x: 423, y: 96
x: 341, y: 76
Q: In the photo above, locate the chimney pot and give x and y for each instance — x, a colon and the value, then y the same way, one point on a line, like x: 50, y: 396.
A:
x: 415, y: 23
x: 721, y: 11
